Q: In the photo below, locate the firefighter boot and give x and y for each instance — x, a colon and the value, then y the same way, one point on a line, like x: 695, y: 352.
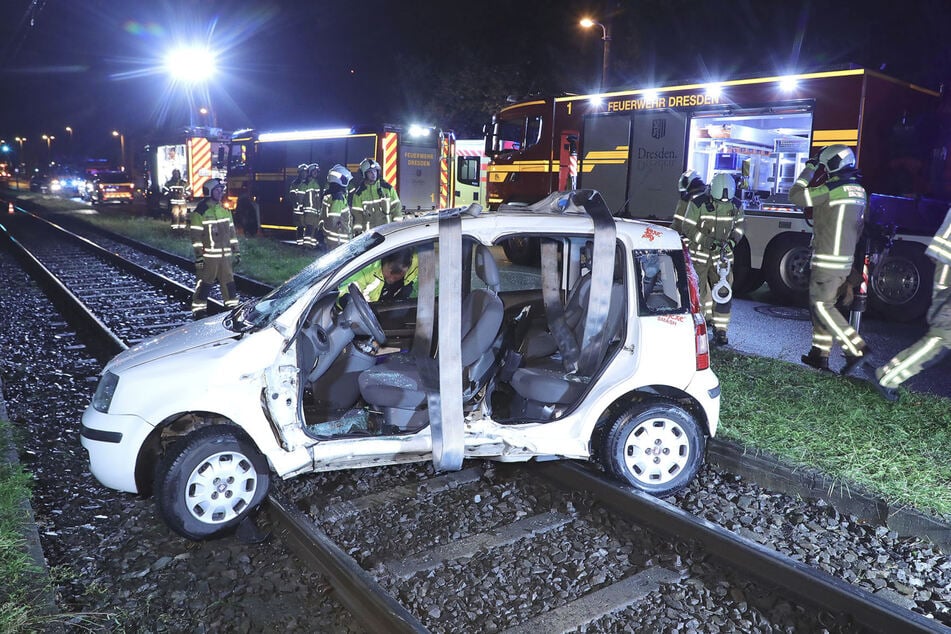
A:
x: 852, y: 361
x: 890, y: 394
x: 816, y: 359
x: 720, y: 338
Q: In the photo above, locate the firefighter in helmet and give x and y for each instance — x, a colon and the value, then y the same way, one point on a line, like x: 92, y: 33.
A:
x: 216, y: 249
x: 313, y: 192
x: 176, y: 189
x: 936, y: 343
x: 335, y: 216
x: 298, y: 196
x: 719, y: 226
x: 690, y: 186
x: 374, y: 201
x: 838, y: 215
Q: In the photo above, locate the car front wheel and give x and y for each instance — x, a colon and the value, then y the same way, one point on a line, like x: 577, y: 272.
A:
x: 209, y: 481
x: 656, y: 447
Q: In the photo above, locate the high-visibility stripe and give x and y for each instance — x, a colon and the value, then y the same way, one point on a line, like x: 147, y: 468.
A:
x: 199, y: 163
x: 444, y: 201
x: 390, y: 158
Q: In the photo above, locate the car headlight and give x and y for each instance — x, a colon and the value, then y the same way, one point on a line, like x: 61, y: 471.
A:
x: 104, y: 392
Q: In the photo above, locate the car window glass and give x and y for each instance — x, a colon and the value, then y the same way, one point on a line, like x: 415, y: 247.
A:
x: 661, y: 282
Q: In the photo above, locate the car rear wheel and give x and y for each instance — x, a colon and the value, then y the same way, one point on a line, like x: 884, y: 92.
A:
x: 656, y: 447
x: 209, y: 481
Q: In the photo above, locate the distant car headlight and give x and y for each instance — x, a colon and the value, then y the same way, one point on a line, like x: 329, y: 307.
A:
x: 106, y: 389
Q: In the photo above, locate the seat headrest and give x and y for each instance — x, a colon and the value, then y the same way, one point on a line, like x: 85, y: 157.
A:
x: 486, y: 268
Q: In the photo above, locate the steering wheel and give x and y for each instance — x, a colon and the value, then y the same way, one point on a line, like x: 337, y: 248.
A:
x: 366, y: 314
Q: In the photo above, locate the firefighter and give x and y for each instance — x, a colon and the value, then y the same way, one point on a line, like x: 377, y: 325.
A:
x: 928, y: 350
x: 838, y: 215
x: 374, y: 201
x: 175, y: 188
x: 719, y: 226
x: 335, y: 217
x: 313, y: 193
x: 690, y: 186
x: 298, y: 196
x: 391, y: 278
x: 216, y: 249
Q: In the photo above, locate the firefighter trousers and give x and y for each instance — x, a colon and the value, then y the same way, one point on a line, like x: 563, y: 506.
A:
x: 214, y: 269
x: 311, y: 222
x: 708, y: 277
x: 926, y: 351
x: 179, y: 216
x: 828, y: 324
x: 299, y: 224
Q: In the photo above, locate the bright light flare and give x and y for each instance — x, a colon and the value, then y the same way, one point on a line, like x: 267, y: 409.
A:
x: 788, y: 84
x: 419, y: 131
x: 714, y: 90
x: 191, y: 64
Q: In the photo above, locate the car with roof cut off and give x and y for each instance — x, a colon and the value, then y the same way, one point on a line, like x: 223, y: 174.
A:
x: 596, y: 352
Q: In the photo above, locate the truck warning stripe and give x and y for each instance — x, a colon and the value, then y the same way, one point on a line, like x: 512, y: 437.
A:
x: 390, y: 158
x: 829, y: 137
x: 444, y: 173
x: 199, y: 163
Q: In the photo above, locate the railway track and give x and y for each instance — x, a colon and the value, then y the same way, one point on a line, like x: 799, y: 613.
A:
x: 396, y: 573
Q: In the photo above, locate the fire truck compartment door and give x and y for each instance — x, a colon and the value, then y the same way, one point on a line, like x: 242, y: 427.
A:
x: 418, y: 177
x: 604, y: 157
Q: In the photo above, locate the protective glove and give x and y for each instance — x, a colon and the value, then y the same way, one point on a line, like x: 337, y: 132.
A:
x: 236, y: 259
x: 199, y: 263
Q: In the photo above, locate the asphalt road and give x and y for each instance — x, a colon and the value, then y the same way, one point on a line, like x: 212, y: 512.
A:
x: 760, y: 325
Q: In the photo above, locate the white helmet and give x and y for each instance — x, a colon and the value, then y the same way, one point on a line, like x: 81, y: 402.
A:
x: 340, y: 175
x: 211, y: 184
x: 722, y: 187
x: 369, y: 164
x: 686, y: 178
x: 837, y: 157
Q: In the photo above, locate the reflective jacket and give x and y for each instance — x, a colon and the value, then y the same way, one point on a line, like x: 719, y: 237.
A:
x: 939, y: 250
x: 374, y: 204
x: 838, y: 216
x: 311, y: 195
x: 335, y: 219
x: 371, y: 282
x: 175, y: 188
x: 297, y: 193
x: 212, y: 231
x: 719, y: 225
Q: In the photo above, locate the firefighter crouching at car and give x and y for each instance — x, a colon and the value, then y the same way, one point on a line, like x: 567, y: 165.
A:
x: 374, y: 202
x: 690, y: 187
x: 928, y: 350
x: 311, y: 209
x: 335, y: 216
x: 391, y: 278
x: 175, y: 188
x: 838, y: 216
x: 719, y: 226
x: 298, y: 196
x: 216, y: 249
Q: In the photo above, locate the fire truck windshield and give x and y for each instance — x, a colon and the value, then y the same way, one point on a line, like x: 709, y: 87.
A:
x: 511, y: 135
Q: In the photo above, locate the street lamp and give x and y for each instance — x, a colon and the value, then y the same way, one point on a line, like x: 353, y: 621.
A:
x: 69, y: 142
x: 21, y: 164
x: 606, y: 39
x: 121, y: 149
x: 49, y: 146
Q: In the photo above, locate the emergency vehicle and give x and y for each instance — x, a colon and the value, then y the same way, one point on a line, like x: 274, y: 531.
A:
x: 416, y: 160
x: 633, y: 145
x: 469, y: 173
x: 198, y: 153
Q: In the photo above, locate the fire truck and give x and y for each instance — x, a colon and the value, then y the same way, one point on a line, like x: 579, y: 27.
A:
x: 469, y: 173
x: 633, y: 145
x: 198, y: 153
x: 416, y: 160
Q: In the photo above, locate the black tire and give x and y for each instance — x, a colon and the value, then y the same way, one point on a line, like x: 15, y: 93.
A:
x: 664, y: 427
x: 522, y: 250
x: 900, y: 287
x: 246, y: 216
x: 745, y: 278
x: 239, y: 485
x: 786, y: 268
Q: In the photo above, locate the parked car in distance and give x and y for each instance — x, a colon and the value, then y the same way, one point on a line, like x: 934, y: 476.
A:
x: 110, y: 187
x: 338, y: 367
x: 40, y: 183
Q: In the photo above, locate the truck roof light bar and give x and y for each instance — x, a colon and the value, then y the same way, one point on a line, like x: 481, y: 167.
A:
x: 303, y: 135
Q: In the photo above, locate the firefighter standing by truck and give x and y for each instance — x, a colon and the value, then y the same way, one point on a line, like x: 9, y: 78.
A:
x: 312, y: 202
x: 839, y: 215
x: 175, y: 188
x: 373, y: 202
x: 298, y: 196
x: 937, y: 341
x: 335, y: 215
x: 690, y: 186
x: 216, y: 249
x: 719, y: 226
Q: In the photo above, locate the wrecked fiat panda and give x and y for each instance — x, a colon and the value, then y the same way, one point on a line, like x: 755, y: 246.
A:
x: 595, y: 351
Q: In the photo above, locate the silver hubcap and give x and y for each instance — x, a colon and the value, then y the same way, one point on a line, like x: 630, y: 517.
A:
x: 221, y: 487
x: 794, y: 268
x: 657, y: 451
x: 897, y: 281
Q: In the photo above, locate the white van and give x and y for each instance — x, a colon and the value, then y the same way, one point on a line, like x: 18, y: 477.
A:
x: 598, y: 351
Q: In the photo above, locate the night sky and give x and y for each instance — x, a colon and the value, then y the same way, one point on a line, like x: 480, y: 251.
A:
x: 95, y: 65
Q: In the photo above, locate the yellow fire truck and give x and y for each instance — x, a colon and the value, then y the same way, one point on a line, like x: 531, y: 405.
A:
x: 198, y: 153
x: 633, y: 145
x: 416, y: 160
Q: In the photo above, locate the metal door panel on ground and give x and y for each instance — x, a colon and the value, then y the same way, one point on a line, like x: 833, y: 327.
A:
x: 657, y: 161
x: 418, y: 179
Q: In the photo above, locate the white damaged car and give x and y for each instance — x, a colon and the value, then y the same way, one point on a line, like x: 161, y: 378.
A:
x: 596, y: 351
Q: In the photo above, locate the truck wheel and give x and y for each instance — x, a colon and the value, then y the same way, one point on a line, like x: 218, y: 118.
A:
x: 209, y: 481
x: 246, y: 216
x: 786, y: 267
x: 900, y: 290
x: 656, y: 447
x: 522, y: 250
x: 745, y: 278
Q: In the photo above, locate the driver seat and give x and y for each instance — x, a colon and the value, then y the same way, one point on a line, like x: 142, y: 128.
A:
x: 395, y: 386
